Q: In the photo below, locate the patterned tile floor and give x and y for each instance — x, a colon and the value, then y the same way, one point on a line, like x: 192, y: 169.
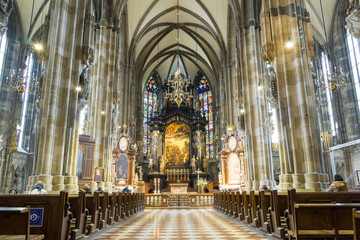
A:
x: 180, y: 224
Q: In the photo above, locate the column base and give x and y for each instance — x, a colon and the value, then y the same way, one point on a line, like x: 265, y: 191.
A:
x: 286, y: 181
x: 298, y: 181
x: 108, y: 187
x: 58, y: 184
x: 71, y: 184
x: 312, y: 182
x: 248, y: 186
x: 31, y: 183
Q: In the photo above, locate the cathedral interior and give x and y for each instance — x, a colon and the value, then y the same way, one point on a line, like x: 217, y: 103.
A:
x: 180, y: 119
x: 233, y: 94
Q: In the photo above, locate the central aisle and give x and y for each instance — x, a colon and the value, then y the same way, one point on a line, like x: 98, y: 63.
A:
x: 180, y: 224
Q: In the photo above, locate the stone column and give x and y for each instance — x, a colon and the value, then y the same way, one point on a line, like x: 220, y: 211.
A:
x: 296, y: 95
x: 256, y: 113
x: 101, y: 105
x: 59, y: 99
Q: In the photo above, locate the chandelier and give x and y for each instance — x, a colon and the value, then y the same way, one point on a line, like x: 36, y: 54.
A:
x: 19, y: 81
x: 179, y: 89
x: 333, y: 78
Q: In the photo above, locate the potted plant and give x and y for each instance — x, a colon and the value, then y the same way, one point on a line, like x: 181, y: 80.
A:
x: 202, y: 183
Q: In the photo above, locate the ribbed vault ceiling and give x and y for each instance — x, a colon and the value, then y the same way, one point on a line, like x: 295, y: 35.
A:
x: 153, y: 36
x: 152, y: 27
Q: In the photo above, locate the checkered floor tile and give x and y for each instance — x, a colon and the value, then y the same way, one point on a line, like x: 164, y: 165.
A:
x: 180, y: 224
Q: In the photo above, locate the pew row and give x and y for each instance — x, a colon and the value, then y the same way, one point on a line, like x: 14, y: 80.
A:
x: 291, y: 215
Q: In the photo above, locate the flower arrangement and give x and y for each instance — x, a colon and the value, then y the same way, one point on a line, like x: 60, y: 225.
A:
x: 202, y: 182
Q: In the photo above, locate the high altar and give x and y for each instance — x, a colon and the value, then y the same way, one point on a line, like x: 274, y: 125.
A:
x: 176, y: 157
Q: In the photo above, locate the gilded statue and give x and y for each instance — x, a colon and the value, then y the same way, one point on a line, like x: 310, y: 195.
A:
x: 162, y: 165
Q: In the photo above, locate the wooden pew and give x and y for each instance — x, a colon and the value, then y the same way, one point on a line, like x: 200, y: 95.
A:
x: 228, y: 203
x: 105, y: 209
x: 322, y: 220
x: 232, y: 203
x: 356, y: 224
x: 120, y: 203
x: 216, y: 201
x: 80, y: 215
x: 278, y: 205
x: 244, y: 210
x: 262, y: 210
x: 316, y: 198
x: 221, y: 202
x: 143, y: 201
x: 114, y: 208
x: 93, y: 205
x: 127, y: 205
x: 17, y: 220
x: 237, y: 205
x: 56, y: 217
x: 253, y: 203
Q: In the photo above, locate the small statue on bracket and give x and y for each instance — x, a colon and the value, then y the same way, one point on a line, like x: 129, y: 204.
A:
x: 193, y: 163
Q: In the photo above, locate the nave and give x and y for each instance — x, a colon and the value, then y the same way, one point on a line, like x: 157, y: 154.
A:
x: 204, y: 223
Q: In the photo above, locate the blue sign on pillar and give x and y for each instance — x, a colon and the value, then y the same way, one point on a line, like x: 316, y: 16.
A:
x: 36, y: 217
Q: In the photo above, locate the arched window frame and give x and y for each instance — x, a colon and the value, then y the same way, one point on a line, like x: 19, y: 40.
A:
x: 205, y: 97
x: 149, y: 98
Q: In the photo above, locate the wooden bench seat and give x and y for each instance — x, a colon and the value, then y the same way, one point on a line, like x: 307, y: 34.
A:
x: 356, y: 224
x: 322, y: 220
x: 80, y: 215
x: 93, y: 205
x: 31, y: 237
x: 53, y: 213
x: 17, y: 220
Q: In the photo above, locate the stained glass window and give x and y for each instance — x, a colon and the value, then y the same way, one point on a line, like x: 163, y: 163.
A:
x: 205, y: 96
x: 150, y: 97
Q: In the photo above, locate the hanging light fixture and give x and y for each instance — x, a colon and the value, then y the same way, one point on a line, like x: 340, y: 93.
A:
x: 178, y: 90
x: 335, y: 77
x: 18, y: 80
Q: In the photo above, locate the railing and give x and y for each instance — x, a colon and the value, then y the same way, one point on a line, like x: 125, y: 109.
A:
x: 353, y: 181
x: 189, y: 200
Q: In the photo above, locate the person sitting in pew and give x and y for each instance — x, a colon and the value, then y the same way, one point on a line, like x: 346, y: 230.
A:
x: 86, y: 189
x: 100, y: 190
x: 38, y: 188
x: 13, y: 191
x: 338, y: 185
x: 265, y: 188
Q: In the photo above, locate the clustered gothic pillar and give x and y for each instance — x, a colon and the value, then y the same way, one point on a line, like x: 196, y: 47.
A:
x: 101, y: 106
x: 258, y: 161
x: 299, y: 141
x: 59, y: 99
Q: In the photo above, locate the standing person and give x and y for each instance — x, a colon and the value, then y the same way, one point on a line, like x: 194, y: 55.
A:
x: 38, y: 188
x: 338, y: 185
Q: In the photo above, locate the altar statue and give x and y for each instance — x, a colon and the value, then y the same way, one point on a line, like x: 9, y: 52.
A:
x: 162, y: 165
x: 193, y: 163
x: 140, y: 173
x: 151, y: 162
x: 205, y: 163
